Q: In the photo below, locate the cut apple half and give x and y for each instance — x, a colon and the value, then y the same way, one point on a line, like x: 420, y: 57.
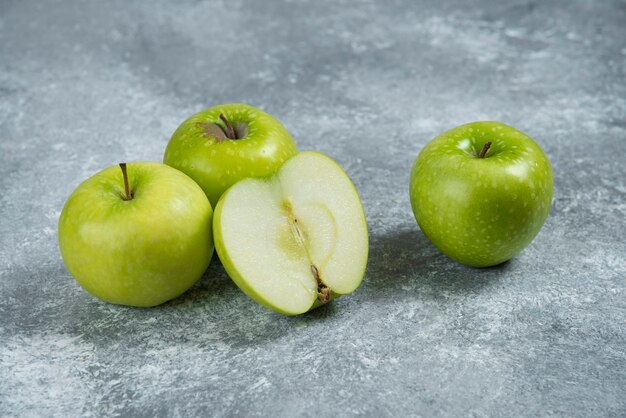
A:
x: 295, y: 240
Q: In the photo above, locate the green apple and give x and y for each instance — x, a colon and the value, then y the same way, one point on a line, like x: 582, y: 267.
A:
x: 227, y: 143
x: 295, y: 240
x: 139, y: 235
x: 481, y: 192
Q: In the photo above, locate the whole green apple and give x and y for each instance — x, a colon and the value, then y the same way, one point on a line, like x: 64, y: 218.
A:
x: 137, y: 235
x: 295, y: 240
x: 481, y: 192
x: 221, y: 145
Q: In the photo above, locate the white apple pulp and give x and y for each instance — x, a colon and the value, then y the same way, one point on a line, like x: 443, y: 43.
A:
x: 291, y: 239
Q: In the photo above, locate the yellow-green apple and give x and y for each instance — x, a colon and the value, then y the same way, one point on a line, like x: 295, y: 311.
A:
x: 138, y: 234
x: 481, y: 192
x: 221, y: 145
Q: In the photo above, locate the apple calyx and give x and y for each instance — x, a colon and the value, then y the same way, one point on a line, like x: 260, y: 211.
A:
x: 128, y: 195
x: 323, y: 291
x: 483, y: 152
x: 227, y: 132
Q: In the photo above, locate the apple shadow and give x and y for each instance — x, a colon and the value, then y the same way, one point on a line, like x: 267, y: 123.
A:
x: 401, y: 263
x: 214, y: 304
x: 407, y: 258
x: 212, y: 289
x: 214, y: 309
x: 398, y: 259
x: 242, y: 321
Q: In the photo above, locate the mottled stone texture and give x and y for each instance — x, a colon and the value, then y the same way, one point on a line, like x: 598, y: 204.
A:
x: 86, y: 84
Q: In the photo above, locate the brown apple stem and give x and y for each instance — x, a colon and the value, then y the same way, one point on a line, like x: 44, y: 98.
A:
x: 484, y: 150
x: 128, y: 195
x: 230, y: 131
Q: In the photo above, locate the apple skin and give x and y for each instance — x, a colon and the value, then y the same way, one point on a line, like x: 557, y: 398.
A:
x: 216, y: 165
x: 138, y: 252
x: 481, y: 211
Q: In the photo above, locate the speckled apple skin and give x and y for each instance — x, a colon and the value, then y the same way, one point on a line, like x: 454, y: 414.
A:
x: 215, y: 165
x: 481, y: 211
x: 139, y: 252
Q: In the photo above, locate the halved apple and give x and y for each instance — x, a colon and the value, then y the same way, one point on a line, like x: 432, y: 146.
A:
x: 295, y: 240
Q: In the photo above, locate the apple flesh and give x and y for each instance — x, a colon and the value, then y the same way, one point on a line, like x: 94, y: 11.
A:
x: 295, y: 240
x: 222, y: 145
x: 481, y: 192
x: 138, y: 245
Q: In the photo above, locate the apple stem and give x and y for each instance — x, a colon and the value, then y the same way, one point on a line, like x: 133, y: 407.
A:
x: 484, y: 150
x: 128, y: 195
x: 230, y: 131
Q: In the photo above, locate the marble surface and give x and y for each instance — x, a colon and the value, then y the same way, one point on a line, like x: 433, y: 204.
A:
x: 86, y: 84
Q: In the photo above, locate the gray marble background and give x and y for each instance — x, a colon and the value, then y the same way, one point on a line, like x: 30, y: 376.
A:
x: 86, y: 84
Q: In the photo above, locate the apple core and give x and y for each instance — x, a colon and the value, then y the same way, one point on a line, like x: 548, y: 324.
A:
x: 300, y: 237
